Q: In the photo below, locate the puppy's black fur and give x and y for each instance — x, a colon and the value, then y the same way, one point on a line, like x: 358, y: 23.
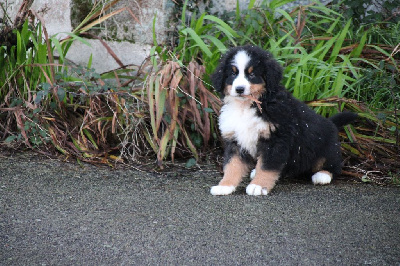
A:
x: 303, y: 141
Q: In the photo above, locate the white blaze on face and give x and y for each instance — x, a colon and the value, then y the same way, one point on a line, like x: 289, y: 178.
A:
x: 240, y: 61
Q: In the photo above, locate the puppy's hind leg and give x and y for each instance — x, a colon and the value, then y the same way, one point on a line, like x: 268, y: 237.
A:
x: 321, y: 178
x: 326, y: 168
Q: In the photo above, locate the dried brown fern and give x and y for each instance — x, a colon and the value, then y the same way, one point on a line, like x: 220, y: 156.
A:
x: 178, y: 104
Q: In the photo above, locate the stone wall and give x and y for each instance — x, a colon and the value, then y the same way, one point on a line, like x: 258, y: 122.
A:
x: 129, y: 34
x: 56, y: 13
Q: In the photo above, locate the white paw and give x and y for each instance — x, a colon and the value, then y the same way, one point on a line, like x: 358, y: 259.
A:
x: 222, y: 190
x: 252, y: 174
x: 256, y: 190
x: 321, y: 178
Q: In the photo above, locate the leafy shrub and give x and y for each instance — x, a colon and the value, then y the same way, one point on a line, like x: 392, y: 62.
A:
x: 45, y: 101
x: 369, y: 11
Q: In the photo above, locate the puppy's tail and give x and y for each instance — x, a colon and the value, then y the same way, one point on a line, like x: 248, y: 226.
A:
x: 343, y: 119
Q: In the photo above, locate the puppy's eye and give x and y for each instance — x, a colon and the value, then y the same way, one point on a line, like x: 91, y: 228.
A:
x: 234, y: 71
x: 250, y: 71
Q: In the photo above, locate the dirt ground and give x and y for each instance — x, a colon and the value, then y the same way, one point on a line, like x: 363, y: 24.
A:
x: 59, y: 213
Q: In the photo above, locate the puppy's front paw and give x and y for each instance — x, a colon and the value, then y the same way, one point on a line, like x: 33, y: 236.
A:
x: 222, y: 190
x: 256, y: 190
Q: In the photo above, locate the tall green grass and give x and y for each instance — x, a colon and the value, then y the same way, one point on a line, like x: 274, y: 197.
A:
x: 46, y: 102
x: 25, y: 69
x: 309, y: 42
x: 324, y: 55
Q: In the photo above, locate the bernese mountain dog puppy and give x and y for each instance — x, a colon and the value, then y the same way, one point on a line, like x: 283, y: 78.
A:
x: 264, y: 126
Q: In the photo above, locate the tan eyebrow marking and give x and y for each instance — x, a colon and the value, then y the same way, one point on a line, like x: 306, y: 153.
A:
x: 234, y: 69
x: 250, y: 69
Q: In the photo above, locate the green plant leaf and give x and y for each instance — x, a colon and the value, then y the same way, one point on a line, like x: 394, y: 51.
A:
x: 286, y: 15
x: 57, y: 45
x: 10, y: 139
x: 89, y: 64
x: 278, y: 3
x: 208, y: 110
x: 339, y: 41
x: 357, y: 52
x: 190, y: 163
x: 220, y: 45
x: 198, y: 41
x: 228, y: 34
x: 154, y: 30
x: 61, y: 93
x: 74, y: 37
x: 225, y: 26
x: 251, y: 4
x: 90, y: 137
x: 199, y: 23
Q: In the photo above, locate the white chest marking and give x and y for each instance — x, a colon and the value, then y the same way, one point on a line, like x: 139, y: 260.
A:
x: 239, y: 122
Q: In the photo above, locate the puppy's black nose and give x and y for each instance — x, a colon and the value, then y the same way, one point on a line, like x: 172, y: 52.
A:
x: 239, y: 90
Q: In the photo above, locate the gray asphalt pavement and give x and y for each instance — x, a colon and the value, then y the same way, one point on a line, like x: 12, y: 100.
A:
x: 58, y: 213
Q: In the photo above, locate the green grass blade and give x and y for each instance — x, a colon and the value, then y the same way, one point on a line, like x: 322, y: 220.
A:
x: 149, y: 139
x: 357, y: 52
x: 227, y: 33
x: 90, y: 137
x: 339, y: 41
x: 150, y: 98
x: 74, y: 37
x: 21, y: 51
x: 162, y: 152
x: 89, y: 64
x: 183, y: 18
x: 287, y: 16
x: 338, y: 84
x: 278, y: 3
x: 57, y: 45
x: 154, y: 30
x: 199, y: 24
x: 220, y: 22
x: 221, y: 47
x: 237, y: 11
x: 251, y: 4
x: 198, y: 41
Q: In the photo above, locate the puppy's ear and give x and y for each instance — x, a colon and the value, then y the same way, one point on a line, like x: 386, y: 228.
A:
x: 273, y: 73
x: 218, y: 77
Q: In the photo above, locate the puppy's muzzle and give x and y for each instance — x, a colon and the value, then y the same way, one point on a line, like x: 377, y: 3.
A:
x: 240, y: 90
